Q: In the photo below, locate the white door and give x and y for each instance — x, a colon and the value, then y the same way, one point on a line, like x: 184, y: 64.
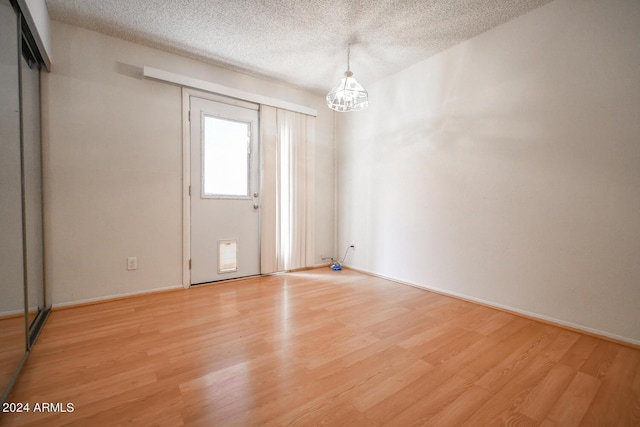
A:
x: 225, y: 233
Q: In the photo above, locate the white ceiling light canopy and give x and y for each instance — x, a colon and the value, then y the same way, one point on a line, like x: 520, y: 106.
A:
x: 348, y: 95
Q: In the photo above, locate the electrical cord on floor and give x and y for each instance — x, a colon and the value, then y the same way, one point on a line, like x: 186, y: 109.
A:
x: 336, y: 264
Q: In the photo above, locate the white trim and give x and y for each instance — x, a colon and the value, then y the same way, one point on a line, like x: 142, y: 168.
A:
x: 530, y: 314
x: 190, y: 82
x: 116, y: 296
x: 186, y: 184
x: 11, y: 313
x: 335, y: 251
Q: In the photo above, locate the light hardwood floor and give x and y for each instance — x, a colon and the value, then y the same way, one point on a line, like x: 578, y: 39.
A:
x: 12, y: 347
x: 320, y: 347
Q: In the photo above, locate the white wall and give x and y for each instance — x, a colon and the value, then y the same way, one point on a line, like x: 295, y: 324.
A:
x: 506, y: 169
x: 113, y: 164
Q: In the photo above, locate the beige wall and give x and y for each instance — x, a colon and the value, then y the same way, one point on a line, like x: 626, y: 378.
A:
x: 113, y: 164
x: 506, y: 169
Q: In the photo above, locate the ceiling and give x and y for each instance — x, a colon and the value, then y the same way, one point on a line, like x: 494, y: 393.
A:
x: 302, y: 42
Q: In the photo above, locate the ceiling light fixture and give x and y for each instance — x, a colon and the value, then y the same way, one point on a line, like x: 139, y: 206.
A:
x: 348, y: 95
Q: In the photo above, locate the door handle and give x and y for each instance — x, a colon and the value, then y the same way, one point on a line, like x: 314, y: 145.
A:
x: 256, y: 206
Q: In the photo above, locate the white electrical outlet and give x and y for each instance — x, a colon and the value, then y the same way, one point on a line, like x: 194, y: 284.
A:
x: 132, y: 263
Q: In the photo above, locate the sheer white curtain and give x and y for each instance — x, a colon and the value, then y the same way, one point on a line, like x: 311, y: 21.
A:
x: 287, y: 180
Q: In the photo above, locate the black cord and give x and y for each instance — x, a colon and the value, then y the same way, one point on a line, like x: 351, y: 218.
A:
x: 345, y: 254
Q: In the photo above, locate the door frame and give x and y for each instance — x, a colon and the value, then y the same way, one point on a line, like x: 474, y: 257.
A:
x: 187, y: 93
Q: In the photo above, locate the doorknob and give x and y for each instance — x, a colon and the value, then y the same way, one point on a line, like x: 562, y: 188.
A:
x: 255, y: 206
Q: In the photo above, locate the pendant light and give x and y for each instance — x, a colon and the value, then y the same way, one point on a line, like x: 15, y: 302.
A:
x: 348, y: 95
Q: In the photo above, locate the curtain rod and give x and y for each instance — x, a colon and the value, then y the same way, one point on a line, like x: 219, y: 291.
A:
x: 185, y: 81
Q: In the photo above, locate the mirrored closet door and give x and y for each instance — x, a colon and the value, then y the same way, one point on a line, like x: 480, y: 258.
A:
x: 23, y: 306
x: 12, y: 318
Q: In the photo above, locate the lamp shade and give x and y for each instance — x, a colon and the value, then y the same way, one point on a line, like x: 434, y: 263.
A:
x: 348, y: 95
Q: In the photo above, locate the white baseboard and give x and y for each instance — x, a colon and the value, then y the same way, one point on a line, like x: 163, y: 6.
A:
x: 12, y: 313
x: 115, y: 296
x: 547, y: 319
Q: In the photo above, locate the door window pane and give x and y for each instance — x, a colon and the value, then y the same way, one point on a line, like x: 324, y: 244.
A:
x: 225, y: 154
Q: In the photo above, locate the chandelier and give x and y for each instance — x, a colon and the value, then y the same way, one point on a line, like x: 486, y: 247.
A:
x: 348, y: 95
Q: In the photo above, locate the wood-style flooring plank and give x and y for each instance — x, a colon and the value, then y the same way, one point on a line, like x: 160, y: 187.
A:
x: 547, y: 392
x: 615, y: 395
x: 320, y: 348
x: 389, y: 408
x: 574, y: 402
x: 458, y: 411
x: 430, y: 404
x: 370, y: 397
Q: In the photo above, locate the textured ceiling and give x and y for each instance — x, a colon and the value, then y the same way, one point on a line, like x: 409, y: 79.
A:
x: 303, y: 42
